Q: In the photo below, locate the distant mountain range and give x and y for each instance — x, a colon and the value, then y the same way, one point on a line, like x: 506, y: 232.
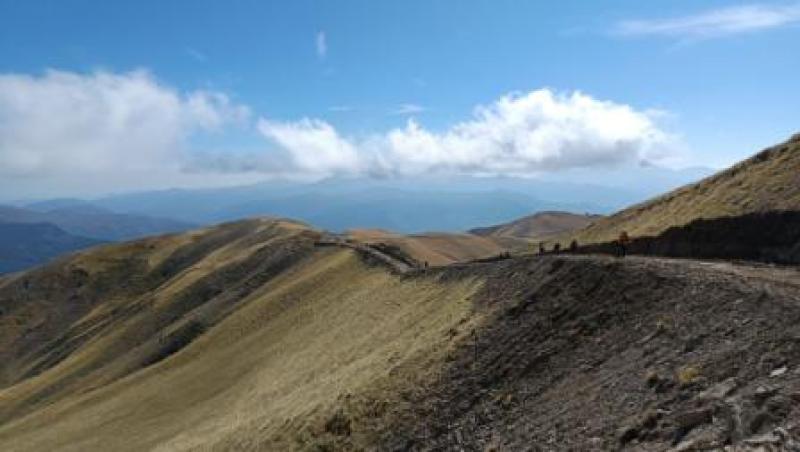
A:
x: 412, y: 205
x: 25, y: 245
x: 402, y: 205
x: 33, y: 235
x: 89, y: 220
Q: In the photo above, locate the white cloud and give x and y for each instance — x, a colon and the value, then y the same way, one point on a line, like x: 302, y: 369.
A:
x: 715, y: 23
x: 408, y: 109
x: 67, y: 133
x: 64, y: 123
x: 322, y: 44
x: 519, y: 134
x: 315, y: 146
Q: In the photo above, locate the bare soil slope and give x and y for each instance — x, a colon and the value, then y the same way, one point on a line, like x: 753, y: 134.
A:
x: 768, y: 181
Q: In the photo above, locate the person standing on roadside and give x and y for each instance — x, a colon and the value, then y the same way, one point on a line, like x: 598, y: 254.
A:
x: 622, y: 243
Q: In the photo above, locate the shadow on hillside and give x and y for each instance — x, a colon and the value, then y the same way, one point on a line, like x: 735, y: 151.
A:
x: 772, y: 237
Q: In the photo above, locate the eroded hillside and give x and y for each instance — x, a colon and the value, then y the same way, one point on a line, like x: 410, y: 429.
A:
x: 252, y: 336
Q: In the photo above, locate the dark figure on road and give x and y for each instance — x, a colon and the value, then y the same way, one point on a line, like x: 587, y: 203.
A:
x: 557, y: 248
x: 622, y: 243
x: 573, y: 246
x: 541, y: 248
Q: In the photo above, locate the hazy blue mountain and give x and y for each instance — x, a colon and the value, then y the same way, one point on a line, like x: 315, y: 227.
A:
x: 341, y: 205
x: 401, y: 204
x: 85, y: 219
x: 25, y: 245
x: 405, y: 204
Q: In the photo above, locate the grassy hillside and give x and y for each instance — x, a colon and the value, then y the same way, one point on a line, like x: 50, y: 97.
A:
x: 770, y: 180
x: 254, y: 336
x: 538, y: 226
x: 244, y: 336
x: 434, y: 248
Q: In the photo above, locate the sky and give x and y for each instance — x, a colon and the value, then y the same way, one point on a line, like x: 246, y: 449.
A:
x: 108, y: 96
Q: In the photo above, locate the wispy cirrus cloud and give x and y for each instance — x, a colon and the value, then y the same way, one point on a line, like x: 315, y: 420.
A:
x: 714, y: 23
x: 321, y: 44
x: 408, y: 109
x: 341, y: 108
x: 196, y: 54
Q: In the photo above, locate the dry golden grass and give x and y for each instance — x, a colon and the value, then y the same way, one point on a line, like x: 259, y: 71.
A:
x: 539, y: 226
x: 770, y: 180
x: 434, y: 248
x: 266, y: 375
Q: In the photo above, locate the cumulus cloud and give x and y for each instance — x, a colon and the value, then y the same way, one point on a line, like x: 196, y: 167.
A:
x: 107, y: 131
x: 68, y: 123
x: 314, y: 146
x: 519, y: 134
x: 322, y: 44
x: 715, y: 23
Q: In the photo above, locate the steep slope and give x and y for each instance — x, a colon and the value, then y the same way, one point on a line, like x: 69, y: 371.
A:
x: 768, y: 181
x: 27, y: 245
x: 244, y: 335
x: 254, y: 336
x: 538, y: 226
x: 593, y: 353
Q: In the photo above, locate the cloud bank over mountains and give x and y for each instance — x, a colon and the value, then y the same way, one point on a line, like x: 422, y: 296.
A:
x: 519, y: 134
x: 69, y: 124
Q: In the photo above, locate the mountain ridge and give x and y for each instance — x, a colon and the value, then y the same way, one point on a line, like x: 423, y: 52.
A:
x: 538, y: 226
x: 767, y: 181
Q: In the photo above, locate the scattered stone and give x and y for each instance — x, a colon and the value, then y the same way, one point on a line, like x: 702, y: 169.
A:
x: 764, y: 392
x: 658, y: 383
x: 688, y: 420
x: 719, y: 391
x: 778, y: 372
x: 706, y: 440
x: 767, y: 438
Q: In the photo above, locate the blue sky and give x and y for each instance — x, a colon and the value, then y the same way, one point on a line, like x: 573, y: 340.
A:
x: 713, y: 81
